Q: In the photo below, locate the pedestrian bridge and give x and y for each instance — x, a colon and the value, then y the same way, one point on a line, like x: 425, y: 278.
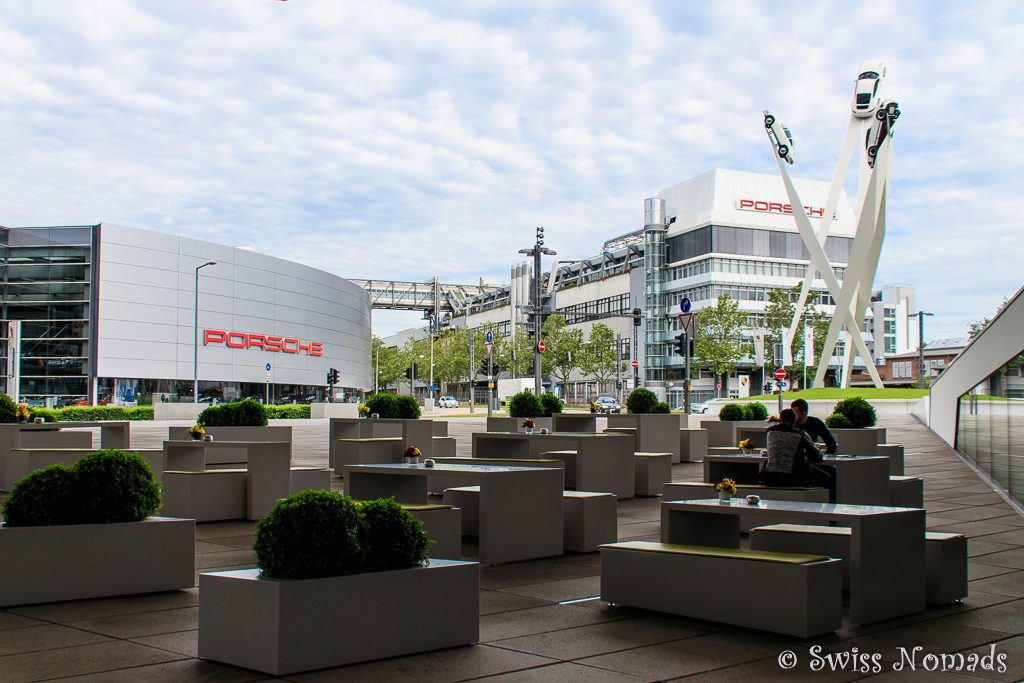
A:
x: 420, y: 296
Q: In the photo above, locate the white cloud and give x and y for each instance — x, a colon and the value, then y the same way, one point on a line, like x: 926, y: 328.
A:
x: 400, y: 140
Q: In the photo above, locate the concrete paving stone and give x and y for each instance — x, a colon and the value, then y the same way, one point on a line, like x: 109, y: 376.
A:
x: 565, y: 671
x: 8, y: 620
x: 146, y: 624
x: 231, y: 557
x: 1014, y: 536
x: 211, y: 530
x: 46, y: 637
x: 932, y: 521
x: 1013, y: 559
x: 931, y: 506
x: 242, y: 542
x: 205, y: 547
x: 558, y: 591
x: 976, y: 499
x: 1004, y: 584
x: 962, y: 484
x: 628, y: 532
x: 180, y: 642
x: 587, y: 641
x: 978, y: 570
x: 977, y: 547
x: 691, y: 655
x: 1011, y: 519
x: 455, y: 664
x: 80, y: 659
x: 592, y: 560
x: 67, y: 612
x: 492, y: 602
x: 182, y: 671
x: 767, y: 670
x: 907, y: 676
x: 543, y: 619
x: 984, y: 529
x: 534, y: 571
x: 933, y: 636
x: 991, y: 513
x: 1013, y: 662
x: 974, y: 601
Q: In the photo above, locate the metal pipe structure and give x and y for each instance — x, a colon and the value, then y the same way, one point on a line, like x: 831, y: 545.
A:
x: 922, y: 371
x: 535, y: 308
x: 195, y: 336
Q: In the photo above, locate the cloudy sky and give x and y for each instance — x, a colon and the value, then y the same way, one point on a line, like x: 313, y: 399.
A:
x: 407, y: 140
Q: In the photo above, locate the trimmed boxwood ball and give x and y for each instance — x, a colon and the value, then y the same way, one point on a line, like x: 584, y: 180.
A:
x: 394, y: 539
x: 385, y: 405
x: 312, y: 534
x: 8, y: 409
x: 732, y: 412
x: 524, y: 404
x: 641, y: 401
x: 857, y: 411
x: 550, y: 404
x: 407, y: 408
x: 662, y: 407
x: 247, y: 413
x: 115, y: 486
x: 756, y: 411
x: 46, y: 497
x: 837, y: 421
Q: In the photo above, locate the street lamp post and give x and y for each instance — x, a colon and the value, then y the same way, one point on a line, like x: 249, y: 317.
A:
x: 920, y: 344
x: 538, y: 315
x: 195, y: 336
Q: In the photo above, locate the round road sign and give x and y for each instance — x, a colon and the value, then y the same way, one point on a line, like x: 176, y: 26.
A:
x: 635, y: 363
x: 684, y: 304
x: 780, y: 374
x: 268, y: 367
x: 540, y: 346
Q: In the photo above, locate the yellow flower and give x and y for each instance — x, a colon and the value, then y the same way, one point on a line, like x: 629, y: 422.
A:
x: 726, y: 484
x: 196, y: 429
x: 412, y: 452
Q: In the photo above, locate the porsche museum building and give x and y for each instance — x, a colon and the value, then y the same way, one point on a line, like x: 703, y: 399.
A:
x: 105, y: 314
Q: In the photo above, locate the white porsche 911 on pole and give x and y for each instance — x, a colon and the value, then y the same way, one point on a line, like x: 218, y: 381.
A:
x: 865, y: 90
x: 779, y: 135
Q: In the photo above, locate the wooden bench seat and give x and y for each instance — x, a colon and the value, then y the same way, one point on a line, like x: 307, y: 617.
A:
x: 833, y: 541
x: 794, y: 594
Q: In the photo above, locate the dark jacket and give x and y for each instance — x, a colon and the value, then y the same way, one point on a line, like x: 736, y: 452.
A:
x: 790, y: 454
x: 816, y: 429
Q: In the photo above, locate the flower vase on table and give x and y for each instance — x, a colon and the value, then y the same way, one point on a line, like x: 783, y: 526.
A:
x: 724, y: 496
x: 528, y: 425
x: 746, y: 447
x: 726, y: 489
x: 196, y: 432
x: 412, y: 455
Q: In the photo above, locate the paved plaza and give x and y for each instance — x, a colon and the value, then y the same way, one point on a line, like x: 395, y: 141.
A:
x: 540, y: 620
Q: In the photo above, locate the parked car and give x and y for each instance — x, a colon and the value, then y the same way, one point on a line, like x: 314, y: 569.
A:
x: 865, y: 89
x: 702, y: 407
x: 448, y: 402
x: 607, y: 404
x: 780, y: 136
x: 880, y: 128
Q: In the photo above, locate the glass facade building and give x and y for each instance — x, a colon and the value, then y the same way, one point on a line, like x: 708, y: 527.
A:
x: 990, y: 426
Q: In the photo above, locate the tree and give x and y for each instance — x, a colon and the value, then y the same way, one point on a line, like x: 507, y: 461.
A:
x: 515, y: 355
x: 451, y: 357
x: 564, y: 347
x: 389, y: 362
x: 719, y: 345
x: 599, y: 354
x: 778, y: 314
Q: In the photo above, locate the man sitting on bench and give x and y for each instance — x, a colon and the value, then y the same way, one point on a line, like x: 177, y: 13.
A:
x: 791, y: 455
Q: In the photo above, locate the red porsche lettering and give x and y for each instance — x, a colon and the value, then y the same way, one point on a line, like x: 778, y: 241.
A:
x: 273, y: 343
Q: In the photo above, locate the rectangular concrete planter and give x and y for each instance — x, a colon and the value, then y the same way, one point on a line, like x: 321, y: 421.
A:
x: 286, y: 626
x: 78, y: 561
x: 234, y: 455
x: 655, y: 433
x: 723, y: 432
x: 861, y: 441
x: 514, y: 424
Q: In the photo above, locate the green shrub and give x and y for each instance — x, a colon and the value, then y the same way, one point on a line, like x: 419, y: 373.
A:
x: 8, y: 409
x: 394, y: 539
x: 115, y: 486
x: 385, y: 405
x: 74, y: 413
x: 45, y: 413
x: 857, y: 411
x: 408, y: 408
x: 247, y: 413
x: 45, y: 497
x: 524, y: 404
x: 641, y: 401
x: 103, y: 487
x: 662, y: 407
x: 312, y: 534
x: 550, y: 404
x: 837, y: 421
x: 732, y: 412
x: 298, y: 411
x: 756, y: 411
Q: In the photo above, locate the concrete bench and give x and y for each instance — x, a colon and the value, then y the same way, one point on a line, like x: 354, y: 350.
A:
x: 906, y: 492
x: 946, y: 562
x: 894, y: 452
x: 590, y: 519
x: 696, y: 490
x: 437, y: 483
x: 444, y: 446
x: 443, y: 524
x: 305, y: 478
x: 466, y: 498
x: 653, y: 471
x: 693, y: 445
x: 793, y: 594
x: 368, y: 451
x: 568, y: 459
x: 206, y: 495
x: 833, y: 541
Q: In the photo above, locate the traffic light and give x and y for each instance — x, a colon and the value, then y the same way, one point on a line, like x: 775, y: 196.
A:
x: 636, y: 317
x: 680, y: 344
x: 332, y: 377
x: 410, y: 372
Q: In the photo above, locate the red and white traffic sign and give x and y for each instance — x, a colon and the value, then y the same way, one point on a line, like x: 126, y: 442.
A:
x: 490, y: 348
x: 780, y: 374
x: 540, y: 346
x: 635, y: 363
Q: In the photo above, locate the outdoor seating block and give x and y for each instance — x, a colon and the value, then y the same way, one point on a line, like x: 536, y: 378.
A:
x: 895, y: 453
x: 946, y: 562
x: 369, y: 451
x: 568, y: 459
x: 833, y: 541
x: 443, y: 523
x: 655, y: 433
x: 466, y: 498
x: 693, y: 445
x: 793, y: 594
x: 206, y: 495
x: 305, y: 478
x: 440, y: 427
x: 653, y: 471
x: 590, y: 518
x: 444, y: 446
x: 438, y: 483
x: 906, y: 492
x: 223, y: 456
x: 696, y: 490
x: 859, y: 441
x: 23, y: 461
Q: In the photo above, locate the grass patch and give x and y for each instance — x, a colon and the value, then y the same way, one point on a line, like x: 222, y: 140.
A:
x: 835, y: 393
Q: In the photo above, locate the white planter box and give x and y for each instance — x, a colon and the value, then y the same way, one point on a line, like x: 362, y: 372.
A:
x: 78, y: 561
x: 281, y: 627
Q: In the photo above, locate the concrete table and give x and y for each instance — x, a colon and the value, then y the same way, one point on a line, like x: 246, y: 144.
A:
x: 512, y: 500
x: 887, y: 545
x: 743, y: 469
x: 602, y: 462
x: 419, y: 433
x: 574, y: 422
x: 113, y: 434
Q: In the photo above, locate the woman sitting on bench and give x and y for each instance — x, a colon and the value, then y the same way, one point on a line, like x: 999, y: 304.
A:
x: 791, y: 455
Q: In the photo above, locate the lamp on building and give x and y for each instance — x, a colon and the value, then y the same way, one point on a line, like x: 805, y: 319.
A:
x: 195, y: 337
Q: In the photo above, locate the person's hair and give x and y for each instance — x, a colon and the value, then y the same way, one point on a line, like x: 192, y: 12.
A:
x: 788, y: 416
x: 799, y: 404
